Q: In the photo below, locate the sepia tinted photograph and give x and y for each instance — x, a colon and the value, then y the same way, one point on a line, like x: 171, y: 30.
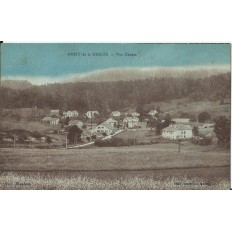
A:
x: 115, y: 116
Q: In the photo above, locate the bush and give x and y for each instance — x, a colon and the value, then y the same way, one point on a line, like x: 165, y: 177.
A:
x: 104, y: 134
x: 204, y: 141
x: 93, y: 136
x: 36, y: 135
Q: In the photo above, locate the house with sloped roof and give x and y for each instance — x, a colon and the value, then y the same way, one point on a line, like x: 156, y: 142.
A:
x: 55, y: 112
x: 103, y: 127
x: 70, y: 114
x: 46, y: 119
x: 130, y: 121
x: 111, y: 122
x: 76, y: 123
x: 92, y: 114
x: 175, y: 132
x: 115, y: 114
x: 181, y: 120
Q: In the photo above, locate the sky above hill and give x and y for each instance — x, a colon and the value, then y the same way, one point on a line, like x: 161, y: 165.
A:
x: 56, y: 62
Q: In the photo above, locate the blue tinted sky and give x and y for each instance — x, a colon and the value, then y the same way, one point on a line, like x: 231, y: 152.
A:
x: 53, y: 60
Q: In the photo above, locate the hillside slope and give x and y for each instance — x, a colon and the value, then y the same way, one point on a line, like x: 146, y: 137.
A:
x: 126, y: 74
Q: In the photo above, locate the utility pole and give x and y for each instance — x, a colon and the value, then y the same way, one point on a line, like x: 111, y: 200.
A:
x: 179, y: 145
x: 66, y: 141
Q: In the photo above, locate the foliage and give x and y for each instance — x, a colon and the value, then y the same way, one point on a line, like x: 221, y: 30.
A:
x: 48, y: 140
x: 222, y: 129
x: 195, y: 131
x: 109, y: 96
x: 204, y: 116
x: 93, y: 137
x: 74, y: 134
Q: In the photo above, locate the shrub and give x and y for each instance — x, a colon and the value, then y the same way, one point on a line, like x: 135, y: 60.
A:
x: 115, y: 142
x: 36, y: 135
x: 104, y: 134
x: 93, y: 136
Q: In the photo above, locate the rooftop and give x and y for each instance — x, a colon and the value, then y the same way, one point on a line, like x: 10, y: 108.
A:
x: 177, y: 127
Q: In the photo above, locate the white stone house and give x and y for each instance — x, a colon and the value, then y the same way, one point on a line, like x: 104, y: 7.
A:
x: 55, y: 112
x: 91, y: 114
x: 76, y: 122
x: 70, y: 114
x: 181, y: 120
x: 130, y: 121
x: 54, y: 121
x: 177, y: 132
x: 153, y: 112
x: 115, y: 114
x: 111, y: 122
x: 103, y: 127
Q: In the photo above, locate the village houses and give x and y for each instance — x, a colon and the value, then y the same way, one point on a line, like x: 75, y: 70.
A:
x: 70, y: 114
x: 177, y: 132
x: 55, y: 113
x: 115, y: 114
x: 111, y: 122
x: 130, y: 121
x: 103, y: 127
x: 91, y: 114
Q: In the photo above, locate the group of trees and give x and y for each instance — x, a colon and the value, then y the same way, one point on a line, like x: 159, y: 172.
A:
x: 221, y: 130
x: 108, y: 96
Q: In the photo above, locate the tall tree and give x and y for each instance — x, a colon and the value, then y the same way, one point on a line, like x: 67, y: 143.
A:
x: 222, y: 129
x: 74, y: 134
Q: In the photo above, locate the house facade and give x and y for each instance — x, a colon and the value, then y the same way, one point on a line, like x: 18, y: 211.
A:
x: 54, y: 121
x: 115, y: 114
x: 76, y: 123
x: 103, y: 127
x: 70, y: 114
x: 130, y: 121
x: 91, y: 114
x: 111, y: 122
x: 177, y: 132
x: 55, y: 113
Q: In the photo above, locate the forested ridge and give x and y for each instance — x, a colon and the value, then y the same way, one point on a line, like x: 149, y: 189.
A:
x: 108, y: 96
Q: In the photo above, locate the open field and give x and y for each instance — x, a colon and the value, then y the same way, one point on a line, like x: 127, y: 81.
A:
x: 141, y: 136
x: 191, y: 107
x: 157, y: 166
x: 29, y: 126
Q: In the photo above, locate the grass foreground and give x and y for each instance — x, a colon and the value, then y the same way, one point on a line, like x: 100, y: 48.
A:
x: 16, y: 181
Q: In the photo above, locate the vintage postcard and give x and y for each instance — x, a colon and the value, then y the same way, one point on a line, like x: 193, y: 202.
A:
x: 115, y: 116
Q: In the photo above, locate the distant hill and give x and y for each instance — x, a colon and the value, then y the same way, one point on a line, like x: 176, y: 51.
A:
x: 126, y: 74
x: 16, y: 84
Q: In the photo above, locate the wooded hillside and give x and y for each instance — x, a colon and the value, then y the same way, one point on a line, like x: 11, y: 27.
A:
x: 108, y: 96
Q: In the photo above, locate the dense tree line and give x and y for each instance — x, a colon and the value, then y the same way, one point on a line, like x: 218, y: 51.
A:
x: 108, y: 96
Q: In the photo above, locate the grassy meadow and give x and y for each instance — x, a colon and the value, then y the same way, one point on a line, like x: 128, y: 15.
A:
x: 157, y: 166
